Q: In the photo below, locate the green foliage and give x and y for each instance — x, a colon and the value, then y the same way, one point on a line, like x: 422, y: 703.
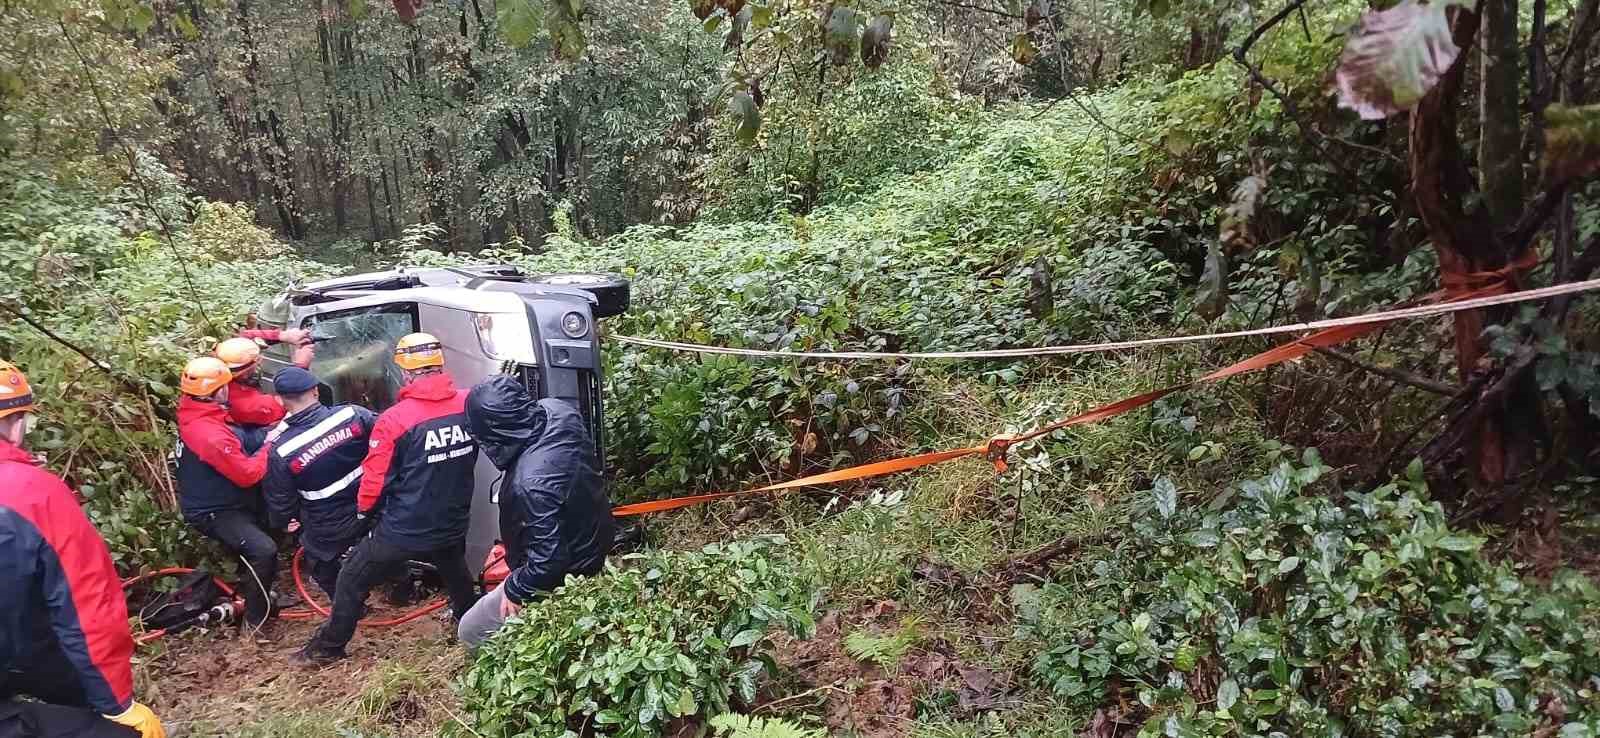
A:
x: 884, y: 650
x: 1274, y: 608
x: 83, y: 264
x: 50, y: 51
x: 730, y: 725
x: 673, y: 635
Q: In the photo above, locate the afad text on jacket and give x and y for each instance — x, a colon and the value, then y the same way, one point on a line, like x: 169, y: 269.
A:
x: 419, y: 467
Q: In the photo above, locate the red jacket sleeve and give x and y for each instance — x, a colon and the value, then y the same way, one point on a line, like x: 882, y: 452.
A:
x: 270, y: 335
x: 84, y: 598
x: 250, y: 406
x: 221, y: 451
x: 375, y: 469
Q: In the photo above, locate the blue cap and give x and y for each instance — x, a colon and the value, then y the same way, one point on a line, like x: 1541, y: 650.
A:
x: 293, y: 380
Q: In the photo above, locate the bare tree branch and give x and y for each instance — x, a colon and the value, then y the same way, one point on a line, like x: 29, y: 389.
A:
x: 1399, y: 375
x: 1240, y: 56
x: 132, y: 384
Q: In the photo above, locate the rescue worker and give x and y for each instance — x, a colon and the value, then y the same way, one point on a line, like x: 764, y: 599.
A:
x: 555, y: 518
x: 216, y: 481
x: 314, y: 471
x: 64, y: 636
x: 417, y: 482
x: 247, y: 405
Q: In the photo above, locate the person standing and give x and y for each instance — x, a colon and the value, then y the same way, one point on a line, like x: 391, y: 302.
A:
x: 417, y: 482
x: 314, y: 471
x: 555, y: 519
x: 64, y: 637
x: 216, y: 481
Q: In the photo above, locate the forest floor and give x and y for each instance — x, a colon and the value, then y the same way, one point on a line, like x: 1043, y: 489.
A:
x: 223, y: 682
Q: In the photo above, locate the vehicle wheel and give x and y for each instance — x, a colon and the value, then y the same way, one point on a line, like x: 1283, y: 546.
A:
x: 611, y: 291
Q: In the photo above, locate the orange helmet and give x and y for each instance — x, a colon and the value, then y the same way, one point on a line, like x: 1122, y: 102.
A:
x: 15, y: 394
x: 238, y: 353
x: 203, y: 376
x: 418, y: 350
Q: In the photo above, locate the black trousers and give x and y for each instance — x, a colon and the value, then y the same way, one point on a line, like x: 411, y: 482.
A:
x: 374, y: 560
x: 240, y: 532
x: 326, y: 573
x: 64, y: 712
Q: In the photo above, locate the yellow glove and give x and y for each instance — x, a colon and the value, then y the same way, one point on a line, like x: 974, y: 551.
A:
x: 140, y: 718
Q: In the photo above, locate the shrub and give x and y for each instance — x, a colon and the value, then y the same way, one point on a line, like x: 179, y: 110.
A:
x: 674, y: 635
x: 1295, y: 614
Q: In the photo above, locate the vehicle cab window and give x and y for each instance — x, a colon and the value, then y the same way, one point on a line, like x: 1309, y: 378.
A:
x: 355, y: 352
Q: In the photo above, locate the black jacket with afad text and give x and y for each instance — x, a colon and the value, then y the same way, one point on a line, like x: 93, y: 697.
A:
x: 419, y: 467
x: 313, y: 474
x: 555, y: 518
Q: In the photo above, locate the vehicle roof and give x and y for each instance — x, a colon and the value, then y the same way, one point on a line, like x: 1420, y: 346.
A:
x: 484, y: 288
x: 449, y: 297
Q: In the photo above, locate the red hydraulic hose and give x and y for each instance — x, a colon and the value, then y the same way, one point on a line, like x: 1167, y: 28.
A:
x: 316, y: 609
x: 305, y: 596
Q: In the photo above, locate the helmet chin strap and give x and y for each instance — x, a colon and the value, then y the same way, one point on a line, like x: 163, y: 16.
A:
x: 252, y: 377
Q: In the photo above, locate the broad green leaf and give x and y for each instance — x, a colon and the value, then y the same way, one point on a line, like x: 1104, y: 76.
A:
x: 1227, y: 694
x: 185, y: 26
x: 1165, y: 494
x: 1022, y: 49
x: 743, y: 106
x: 1288, y: 564
x: 1459, y: 543
x: 760, y: 16
x: 140, y: 18
x: 1212, y: 299
x: 519, y: 20
x: 745, y: 638
x: 1394, y: 57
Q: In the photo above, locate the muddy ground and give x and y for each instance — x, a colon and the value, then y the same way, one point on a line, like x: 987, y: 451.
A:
x: 225, y: 682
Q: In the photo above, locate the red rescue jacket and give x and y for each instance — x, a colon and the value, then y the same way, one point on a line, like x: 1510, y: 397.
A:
x: 420, y: 463
x: 214, y: 473
x: 248, y: 405
x: 62, y: 591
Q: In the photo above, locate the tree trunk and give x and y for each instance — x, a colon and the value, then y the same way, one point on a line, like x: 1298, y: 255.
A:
x: 1500, y: 115
x: 268, y: 137
x: 1464, y: 241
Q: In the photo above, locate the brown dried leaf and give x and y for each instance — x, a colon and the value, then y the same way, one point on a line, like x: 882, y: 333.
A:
x: 1394, y: 57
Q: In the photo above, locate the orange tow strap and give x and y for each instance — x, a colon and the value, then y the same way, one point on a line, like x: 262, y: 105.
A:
x: 995, y: 449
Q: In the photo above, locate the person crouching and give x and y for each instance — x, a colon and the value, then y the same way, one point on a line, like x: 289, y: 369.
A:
x: 217, y: 482
x: 555, y: 518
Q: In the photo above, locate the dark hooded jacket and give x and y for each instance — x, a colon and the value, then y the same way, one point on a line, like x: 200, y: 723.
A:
x: 555, y: 518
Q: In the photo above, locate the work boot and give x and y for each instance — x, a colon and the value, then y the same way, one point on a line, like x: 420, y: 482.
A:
x: 314, y: 656
x: 403, y: 592
x: 282, y: 601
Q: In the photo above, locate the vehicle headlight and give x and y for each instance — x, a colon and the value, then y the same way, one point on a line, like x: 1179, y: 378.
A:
x: 574, y: 325
x: 504, y: 336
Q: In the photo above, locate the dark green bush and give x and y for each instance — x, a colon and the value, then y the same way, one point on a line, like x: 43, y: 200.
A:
x: 1283, y: 612
x: 672, y: 635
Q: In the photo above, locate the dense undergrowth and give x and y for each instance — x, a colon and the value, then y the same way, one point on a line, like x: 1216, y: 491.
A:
x: 1271, y: 597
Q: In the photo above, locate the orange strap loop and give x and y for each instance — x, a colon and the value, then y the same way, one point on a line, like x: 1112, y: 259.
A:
x: 997, y: 447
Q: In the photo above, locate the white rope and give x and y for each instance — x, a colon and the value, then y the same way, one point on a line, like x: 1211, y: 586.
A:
x: 1421, y: 311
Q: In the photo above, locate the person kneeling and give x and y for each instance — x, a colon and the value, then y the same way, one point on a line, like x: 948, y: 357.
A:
x: 555, y: 518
